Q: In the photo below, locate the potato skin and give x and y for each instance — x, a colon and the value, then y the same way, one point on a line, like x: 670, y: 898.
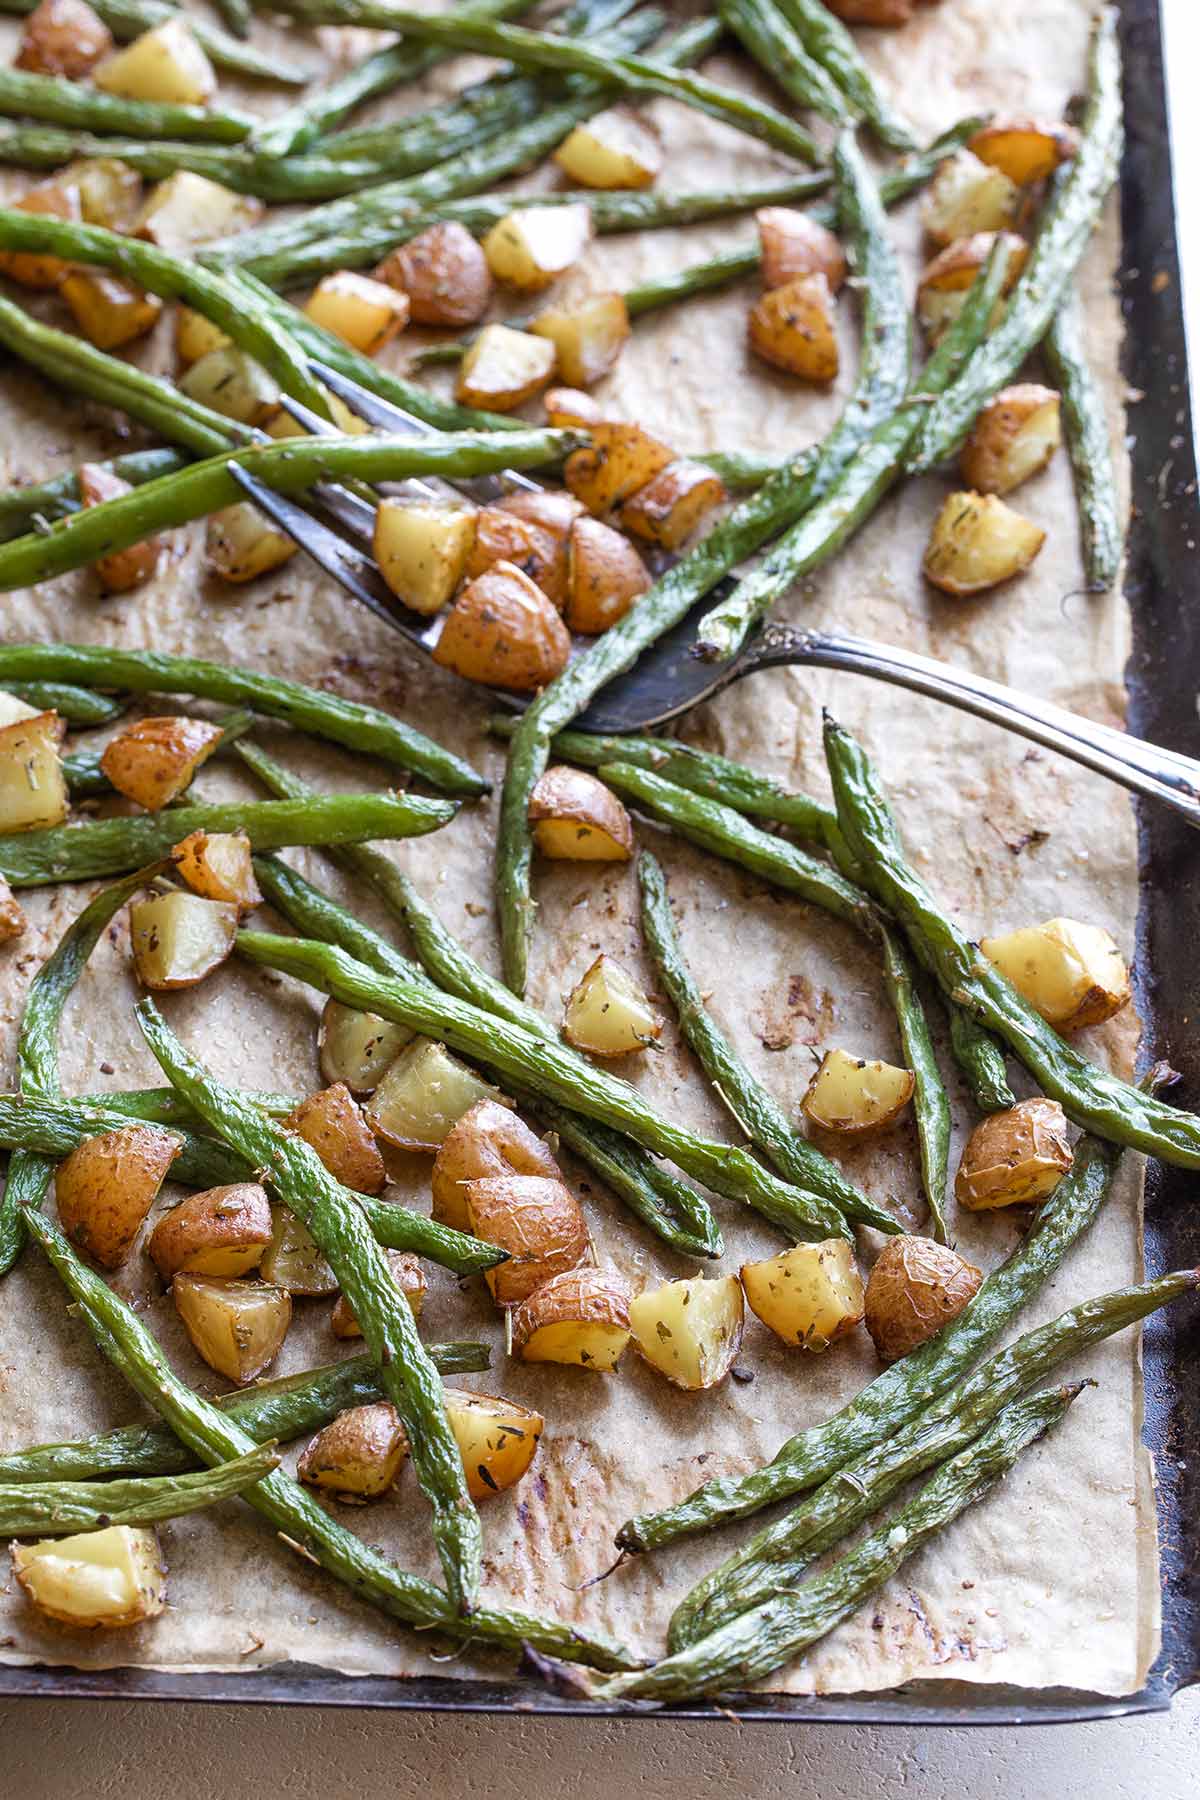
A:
x: 488, y: 1140
x: 504, y: 632
x: 106, y: 1187
x: 152, y: 761
x: 219, y: 866
x: 13, y: 922
x: 605, y: 576
x: 230, y: 1225
x: 619, y: 460
x: 571, y: 406
x: 408, y: 1275
x: 122, y: 570
x: 502, y: 536
x: 669, y: 509
x: 445, y: 275
x: 332, y: 1122
x: 792, y: 327
x: 554, y: 512
x: 538, y: 1221
x: 600, y: 829
x: 976, y: 543
x: 63, y: 37
x: 1014, y: 1157
x: 872, y: 12
x: 358, y: 1455
x: 795, y: 244
x: 365, y: 314
x: 914, y: 1289
x: 1013, y: 438
x: 592, y: 1300
x: 32, y: 268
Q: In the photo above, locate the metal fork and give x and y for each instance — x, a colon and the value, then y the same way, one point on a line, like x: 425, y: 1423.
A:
x: 671, y: 677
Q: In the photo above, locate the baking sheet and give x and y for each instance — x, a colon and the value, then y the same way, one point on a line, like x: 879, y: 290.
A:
x: 1057, y: 1595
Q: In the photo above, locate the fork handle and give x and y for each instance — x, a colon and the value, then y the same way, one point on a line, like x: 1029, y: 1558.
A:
x: 1144, y: 768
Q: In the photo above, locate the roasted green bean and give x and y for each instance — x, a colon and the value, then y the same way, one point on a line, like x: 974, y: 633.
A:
x: 22, y: 507
x: 53, y: 1509
x: 1085, y: 427
x: 829, y: 43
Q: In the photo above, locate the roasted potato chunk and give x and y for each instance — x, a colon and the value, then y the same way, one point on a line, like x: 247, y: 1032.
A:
x: 1072, y: 974
x: 502, y: 536
x: 588, y: 337
x: 177, y: 939
x: 537, y: 1220
x: 358, y: 1047
x: 966, y: 196
x: 615, y: 149
x: 234, y: 385
x: 947, y: 280
x: 332, y: 1123
x: 109, y: 310
x: 188, y: 210
x: 12, y: 920
x: 531, y: 248
x: 619, y: 460
x: 409, y: 1277
x: 669, y: 509
x: 153, y: 761
x: 793, y: 327
x: 365, y: 314
x: 575, y: 818
x: 503, y: 368
x: 422, y: 547
x: 196, y: 336
x: 219, y: 865
x: 976, y: 543
x: 63, y: 37
x: 1013, y: 438
x: 34, y: 268
x: 222, y: 1231
x: 488, y: 1140
x: 106, y: 1187
x: 1024, y: 149
x: 607, y: 1013
x: 292, y: 1260
x: 241, y: 544
x: 33, y: 788
x: 121, y: 570
x: 504, y: 632
x: 497, y: 1439
x: 794, y: 244
x: 873, y: 12
x: 569, y: 406
x: 359, y: 1455
x: 810, y: 1295
x: 580, y: 1317
x: 238, y: 1327
x: 163, y: 64
x: 851, y: 1095
x: 690, y: 1331
x: 110, y: 192
x: 97, y: 1579
x: 1014, y: 1157
x: 605, y: 575
x: 914, y: 1289
x: 423, y: 1095
x: 445, y: 275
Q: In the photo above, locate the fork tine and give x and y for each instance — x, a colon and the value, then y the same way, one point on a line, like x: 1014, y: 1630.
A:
x: 349, y: 509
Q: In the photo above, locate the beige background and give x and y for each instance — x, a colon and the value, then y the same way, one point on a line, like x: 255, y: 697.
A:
x: 55, y: 1750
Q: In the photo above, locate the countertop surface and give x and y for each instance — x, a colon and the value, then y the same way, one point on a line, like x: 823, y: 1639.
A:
x: 128, y: 1752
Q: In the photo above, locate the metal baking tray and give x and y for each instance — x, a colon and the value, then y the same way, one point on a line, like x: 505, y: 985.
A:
x: 1162, y: 679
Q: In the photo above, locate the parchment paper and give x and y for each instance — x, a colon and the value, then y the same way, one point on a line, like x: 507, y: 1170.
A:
x: 1052, y: 1580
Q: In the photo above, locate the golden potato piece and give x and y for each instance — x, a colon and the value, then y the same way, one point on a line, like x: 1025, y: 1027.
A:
x: 670, y: 508
x: 358, y: 1047
x: 497, y: 1439
x: 1014, y: 1157
x: 531, y: 248
x: 537, y: 1220
x: 238, y: 1327
x: 580, y: 1317
x: 914, y: 1289
x: 332, y: 1123
x: 1024, y: 149
x: 222, y: 1231
x: 873, y: 12
x: 359, y: 1455
x: 810, y: 1295
x: 423, y: 1095
x: 196, y: 336
x: 33, y: 788
x: 152, y: 761
x: 554, y: 512
x: 121, y: 570
x: 489, y: 1139
x: 608, y: 1014
x: 605, y: 575
x: 690, y: 1331
x: 502, y: 536
x: 187, y: 210
x: 179, y: 938
x: 97, y: 1579
x: 292, y: 1260
x: 408, y: 1275
x: 619, y: 460
x: 1071, y: 973
x: 966, y: 196
x: 233, y: 384
x: 569, y: 406
x: 109, y: 310
x: 793, y: 327
x: 241, y: 544
x: 615, y: 149
x: 110, y: 192
x: 12, y: 920
x: 946, y: 281
x: 422, y: 547
x: 1013, y: 438
x: 445, y: 275
x: 219, y: 865
x: 108, y: 1184
x: 588, y: 337
x: 34, y: 268
x: 575, y: 818
x: 976, y: 543
x: 503, y: 368
x: 365, y: 314
x: 794, y: 244
x: 851, y: 1095
x: 504, y: 632
x: 163, y: 64
x: 63, y: 37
